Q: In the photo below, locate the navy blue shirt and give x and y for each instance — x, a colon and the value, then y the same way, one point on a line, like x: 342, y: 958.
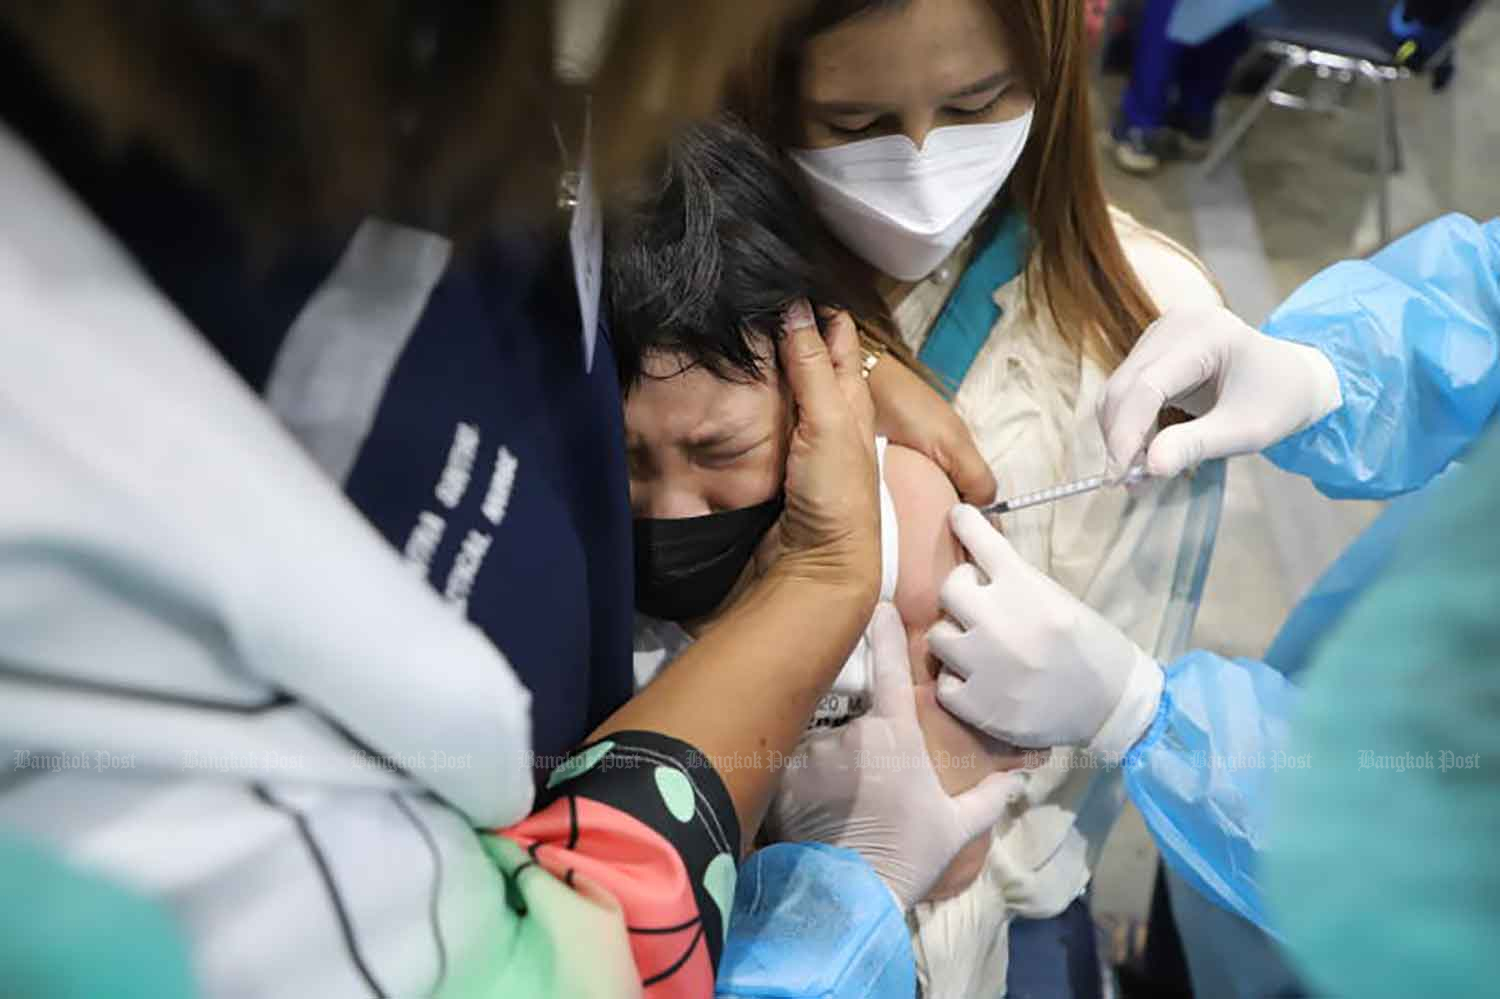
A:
x: 499, y: 348
x: 493, y: 459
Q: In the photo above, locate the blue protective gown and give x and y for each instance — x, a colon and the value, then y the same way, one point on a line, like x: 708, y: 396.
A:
x: 1414, y: 334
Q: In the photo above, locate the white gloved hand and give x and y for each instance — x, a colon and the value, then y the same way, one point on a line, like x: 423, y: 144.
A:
x: 869, y: 786
x: 1247, y: 390
x: 1028, y: 662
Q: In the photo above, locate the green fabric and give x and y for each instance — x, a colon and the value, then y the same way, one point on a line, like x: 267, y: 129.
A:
x: 66, y: 933
x: 676, y: 793
x: 1383, y: 872
x: 582, y: 763
x: 720, y: 880
x: 546, y: 926
x: 69, y: 934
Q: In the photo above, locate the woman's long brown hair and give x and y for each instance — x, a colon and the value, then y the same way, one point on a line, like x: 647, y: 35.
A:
x: 1079, y: 268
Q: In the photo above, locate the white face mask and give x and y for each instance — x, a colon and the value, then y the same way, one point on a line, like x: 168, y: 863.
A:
x: 902, y: 208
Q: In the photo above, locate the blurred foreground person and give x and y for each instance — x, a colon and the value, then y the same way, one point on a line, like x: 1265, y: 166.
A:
x: 1401, y: 728
x: 272, y: 276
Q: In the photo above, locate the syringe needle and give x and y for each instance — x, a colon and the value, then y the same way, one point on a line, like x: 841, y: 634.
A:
x: 1065, y: 490
x: 1047, y: 495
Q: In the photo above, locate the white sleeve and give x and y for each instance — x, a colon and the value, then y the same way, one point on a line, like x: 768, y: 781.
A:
x: 890, y: 530
x: 162, y: 537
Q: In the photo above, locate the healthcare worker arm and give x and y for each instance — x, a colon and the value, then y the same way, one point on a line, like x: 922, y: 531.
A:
x: 867, y: 831
x: 815, y: 920
x: 869, y: 785
x: 1414, y: 333
x: 1201, y: 774
x: 1028, y: 662
x: 1369, y: 379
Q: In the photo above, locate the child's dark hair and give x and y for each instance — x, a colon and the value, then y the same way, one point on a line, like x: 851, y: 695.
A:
x: 706, y: 261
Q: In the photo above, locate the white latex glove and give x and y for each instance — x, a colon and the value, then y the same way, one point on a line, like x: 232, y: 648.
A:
x: 869, y: 786
x: 1028, y: 662
x: 1247, y: 390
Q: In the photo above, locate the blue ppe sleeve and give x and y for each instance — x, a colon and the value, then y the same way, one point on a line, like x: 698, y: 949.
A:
x: 1345, y: 581
x: 1200, y: 774
x: 1414, y: 334
x: 815, y: 921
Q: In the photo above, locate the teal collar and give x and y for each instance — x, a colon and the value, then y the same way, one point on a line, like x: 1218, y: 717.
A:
x: 970, y: 313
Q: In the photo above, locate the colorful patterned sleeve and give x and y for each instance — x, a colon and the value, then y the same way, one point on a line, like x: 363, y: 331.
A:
x: 641, y: 832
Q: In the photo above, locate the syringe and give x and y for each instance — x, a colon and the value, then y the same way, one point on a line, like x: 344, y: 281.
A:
x: 1135, y: 474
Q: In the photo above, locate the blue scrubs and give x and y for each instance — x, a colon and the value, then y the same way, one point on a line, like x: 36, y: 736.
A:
x: 1173, y: 82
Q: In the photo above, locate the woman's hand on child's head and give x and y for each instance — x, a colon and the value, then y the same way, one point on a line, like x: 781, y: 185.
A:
x: 910, y: 412
x: 830, y: 530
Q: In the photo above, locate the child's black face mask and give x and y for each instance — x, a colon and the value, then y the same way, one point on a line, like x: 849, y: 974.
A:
x: 684, y: 568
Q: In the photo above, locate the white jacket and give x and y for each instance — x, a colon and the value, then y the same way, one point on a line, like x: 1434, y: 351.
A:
x: 1030, y: 402
x: 209, y: 662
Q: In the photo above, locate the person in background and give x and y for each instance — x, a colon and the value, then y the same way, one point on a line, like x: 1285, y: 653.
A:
x: 1170, y: 102
x: 323, y: 548
x: 1186, y: 51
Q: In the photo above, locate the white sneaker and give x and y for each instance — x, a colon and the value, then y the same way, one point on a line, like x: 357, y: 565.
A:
x: 1133, y: 152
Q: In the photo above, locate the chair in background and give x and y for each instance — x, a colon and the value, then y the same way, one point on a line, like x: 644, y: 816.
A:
x: 1346, y: 41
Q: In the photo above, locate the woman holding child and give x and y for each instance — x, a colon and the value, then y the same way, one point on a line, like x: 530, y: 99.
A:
x: 949, y: 146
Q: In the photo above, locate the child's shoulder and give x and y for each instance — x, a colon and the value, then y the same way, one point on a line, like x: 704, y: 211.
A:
x: 926, y: 550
